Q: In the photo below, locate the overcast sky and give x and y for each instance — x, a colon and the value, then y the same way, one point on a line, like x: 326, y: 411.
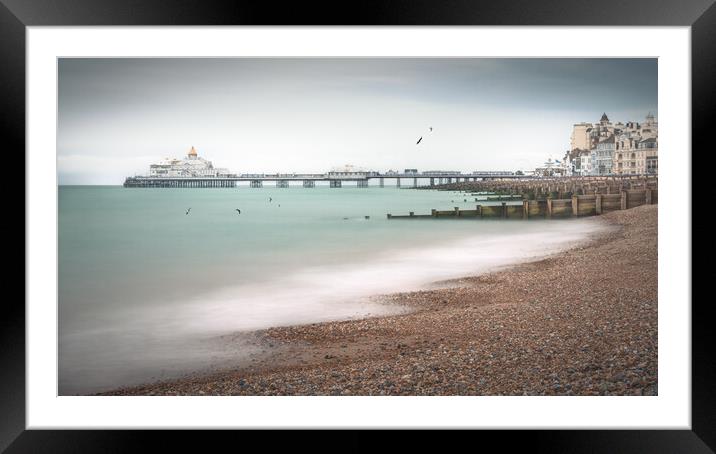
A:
x: 117, y: 116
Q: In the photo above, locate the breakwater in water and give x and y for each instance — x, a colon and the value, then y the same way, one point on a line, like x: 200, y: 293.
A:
x: 556, y: 188
x: 555, y: 198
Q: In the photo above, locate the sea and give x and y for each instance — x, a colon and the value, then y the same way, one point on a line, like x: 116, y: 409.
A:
x: 158, y: 283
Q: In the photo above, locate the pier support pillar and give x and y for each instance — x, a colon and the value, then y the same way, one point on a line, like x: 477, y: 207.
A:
x: 381, y: 182
x: 432, y: 181
x: 282, y: 183
x: 397, y: 182
x: 335, y: 183
x: 415, y: 182
x: 362, y: 183
x: 309, y: 184
x: 256, y: 184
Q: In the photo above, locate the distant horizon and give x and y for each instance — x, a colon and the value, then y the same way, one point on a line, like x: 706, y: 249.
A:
x: 283, y: 115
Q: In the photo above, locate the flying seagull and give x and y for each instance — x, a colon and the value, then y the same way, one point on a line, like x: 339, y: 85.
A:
x: 270, y: 199
x: 187, y: 211
x: 431, y: 129
x: 238, y: 210
x: 418, y: 140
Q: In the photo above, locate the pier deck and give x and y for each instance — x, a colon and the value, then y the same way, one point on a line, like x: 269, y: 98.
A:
x: 310, y: 180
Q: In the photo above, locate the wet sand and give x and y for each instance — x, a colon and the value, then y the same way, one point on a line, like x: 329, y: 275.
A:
x: 580, y: 322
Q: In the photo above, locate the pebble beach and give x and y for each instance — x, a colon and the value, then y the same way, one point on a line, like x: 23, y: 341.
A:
x: 579, y: 322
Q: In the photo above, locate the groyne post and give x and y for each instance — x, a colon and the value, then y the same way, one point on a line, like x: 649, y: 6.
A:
x: 647, y: 194
x: 624, y: 199
x: 504, y: 210
x: 549, y: 208
x: 598, y: 203
x: 575, y: 205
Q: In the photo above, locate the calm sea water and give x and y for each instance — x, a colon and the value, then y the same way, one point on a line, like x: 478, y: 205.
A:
x: 147, y: 291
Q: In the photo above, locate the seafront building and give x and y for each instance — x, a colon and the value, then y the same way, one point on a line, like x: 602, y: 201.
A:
x: 602, y: 156
x: 607, y: 148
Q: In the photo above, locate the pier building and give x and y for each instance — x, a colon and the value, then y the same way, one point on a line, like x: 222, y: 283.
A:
x: 192, y: 166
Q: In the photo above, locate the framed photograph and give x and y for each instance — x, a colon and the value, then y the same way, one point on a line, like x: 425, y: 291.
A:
x: 412, y: 217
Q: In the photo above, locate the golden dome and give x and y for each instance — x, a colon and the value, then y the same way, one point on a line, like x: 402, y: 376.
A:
x: 192, y: 152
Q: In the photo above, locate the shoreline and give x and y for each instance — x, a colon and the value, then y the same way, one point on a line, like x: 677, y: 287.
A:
x: 582, y: 321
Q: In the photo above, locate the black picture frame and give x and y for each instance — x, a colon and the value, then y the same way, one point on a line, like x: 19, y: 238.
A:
x: 16, y: 15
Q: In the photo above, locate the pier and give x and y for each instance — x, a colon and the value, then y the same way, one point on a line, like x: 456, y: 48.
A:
x: 360, y: 180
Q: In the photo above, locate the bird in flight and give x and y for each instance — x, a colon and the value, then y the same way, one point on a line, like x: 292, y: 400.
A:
x: 187, y: 211
x: 238, y: 210
x: 418, y: 140
x: 431, y: 129
x: 270, y: 199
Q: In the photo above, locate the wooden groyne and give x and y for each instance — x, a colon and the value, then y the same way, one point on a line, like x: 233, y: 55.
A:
x: 556, y: 188
x: 575, y: 206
